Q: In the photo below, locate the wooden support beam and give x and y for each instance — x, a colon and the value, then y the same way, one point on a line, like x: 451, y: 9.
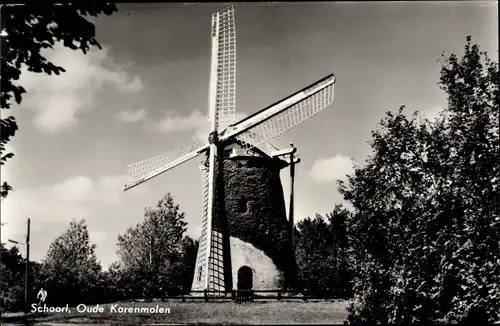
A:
x: 296, y: 160
x: 283, y: 152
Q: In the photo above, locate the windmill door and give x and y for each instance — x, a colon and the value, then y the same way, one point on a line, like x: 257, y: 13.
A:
x: 245, y: 278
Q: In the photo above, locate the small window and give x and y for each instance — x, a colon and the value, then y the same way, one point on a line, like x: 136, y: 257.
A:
x: 227, y: 152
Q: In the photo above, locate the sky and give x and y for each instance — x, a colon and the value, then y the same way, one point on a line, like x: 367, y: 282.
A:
x: 146, y: 92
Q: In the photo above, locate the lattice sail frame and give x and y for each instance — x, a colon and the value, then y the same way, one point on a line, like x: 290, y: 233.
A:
x: 215, y: 263
x: 146, y: 169
x: 283, y: 116
x: 210, y: 265
x: 224, y: 58
x: 286, y: 120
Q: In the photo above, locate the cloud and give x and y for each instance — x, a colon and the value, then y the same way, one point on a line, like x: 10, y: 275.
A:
x: 75, y: 197
x: 82, y: 189
x: 197, y: 122
x: 97, y: 236
x: 172, y: 122
x: 59, y: 100
x: 326, y: 170
x: 131, y: 116
x: 135, y: 86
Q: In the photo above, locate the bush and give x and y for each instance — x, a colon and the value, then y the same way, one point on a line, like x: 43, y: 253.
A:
x: 424, y: 234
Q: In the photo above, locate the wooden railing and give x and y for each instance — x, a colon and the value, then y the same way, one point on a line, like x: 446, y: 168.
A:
x: 251, y: 295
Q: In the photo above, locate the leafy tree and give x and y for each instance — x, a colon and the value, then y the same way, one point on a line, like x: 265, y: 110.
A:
x: 35, y: 279
x: 186, y: 266
x: 71, y: 267
x: 12, y: 271
x: 321, y: 253
x: 119, y: 283
x: 424, y: 234
x: 153, y: 251
x: 340, y: 251
x: 313, y: 246
x: 12, y: 267
x: 28, y: 29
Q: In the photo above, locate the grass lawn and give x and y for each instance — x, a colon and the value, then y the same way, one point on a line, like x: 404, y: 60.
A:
x: 259, y: 312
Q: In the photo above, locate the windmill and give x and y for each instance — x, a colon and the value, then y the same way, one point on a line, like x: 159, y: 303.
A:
x: 247, y: 140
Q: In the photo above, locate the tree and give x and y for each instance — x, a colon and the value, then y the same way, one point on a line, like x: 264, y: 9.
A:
x: 153, y: 251
x: 71, y: 267
x: 12, y: 285
x: 313, y: 244
x: 118, y: 284
x: 340, y: 251
x: 28, y: 29
x: 189, y: 252
x: 424, y: 234
x: 321, y: 253
x: 12, y: 271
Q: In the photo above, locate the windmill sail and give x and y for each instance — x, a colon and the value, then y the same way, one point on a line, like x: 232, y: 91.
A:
x: 224, y: 64
x: 142, y: 171
x: 271, y: 122
x: 210, y: 259
x: 202, y: 256
x: 209, y: 266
